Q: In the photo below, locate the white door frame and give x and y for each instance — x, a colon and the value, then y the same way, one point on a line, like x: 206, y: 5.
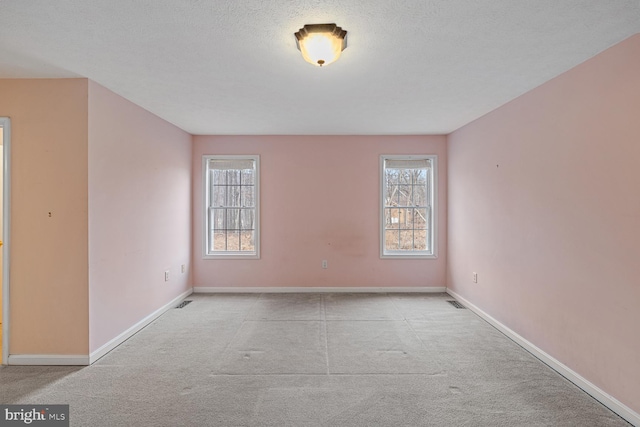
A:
x: 5, y: 124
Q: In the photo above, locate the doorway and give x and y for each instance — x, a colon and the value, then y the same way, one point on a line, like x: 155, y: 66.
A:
x: 5, y: 145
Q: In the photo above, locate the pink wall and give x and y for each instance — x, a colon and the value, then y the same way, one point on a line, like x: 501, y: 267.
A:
x: 319, y: 200
x: 139, y: 213
x: 49, y: 295
x: 543, y: 204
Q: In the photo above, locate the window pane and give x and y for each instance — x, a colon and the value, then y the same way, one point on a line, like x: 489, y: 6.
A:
x: 233, y: 219
x: 248, y: 196
x: 391, y: 239
x: 406, y: 240
x: 247, y: 220
x: 248, y: 177
x: 404, y: 176
x: 420, y: 240
x: 219, y: 241
x: 391, y: 176
x: 247, y: 242
x: 389, y: 199
x: 420, y: 219
x: 419, y: 195
x: 233, y: 196
x: 388, y: 219
x: 404, y: 195
x: 217, y: 219
x: 419, y: 176
x: 219, y: 177
x: 391, y: 194
x: 394, y: 218
x: 218, y: 195
x: 233, y: 241
x: 233, y: 176
x: 405, y: 218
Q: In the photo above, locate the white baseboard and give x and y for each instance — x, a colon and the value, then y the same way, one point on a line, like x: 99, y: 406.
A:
x: 106, y: 348
x: 337, y: 289
x: 49, y: 359
x: 589, y: 388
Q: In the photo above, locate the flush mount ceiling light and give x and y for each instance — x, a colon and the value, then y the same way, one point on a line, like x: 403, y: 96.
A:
x: 321, y: 44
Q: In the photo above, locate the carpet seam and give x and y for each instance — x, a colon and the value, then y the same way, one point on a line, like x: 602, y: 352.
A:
x: 231, y: 341
x: 323, y: 309
x: 416, y: 334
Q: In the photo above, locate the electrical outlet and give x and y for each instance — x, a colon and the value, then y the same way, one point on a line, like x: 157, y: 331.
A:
x: 475, y: 277
x: 324, y: 264
x: 183, y: 268
x: 166, y: 276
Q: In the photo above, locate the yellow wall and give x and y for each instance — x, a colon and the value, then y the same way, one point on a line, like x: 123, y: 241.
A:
x: 1, y: 212
x: 49, y: 255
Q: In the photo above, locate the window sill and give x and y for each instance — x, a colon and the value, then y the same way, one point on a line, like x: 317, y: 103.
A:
x: 408, y: 256
x: 232, y: 256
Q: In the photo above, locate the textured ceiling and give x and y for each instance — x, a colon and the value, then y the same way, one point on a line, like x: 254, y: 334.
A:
x: 231, y: 67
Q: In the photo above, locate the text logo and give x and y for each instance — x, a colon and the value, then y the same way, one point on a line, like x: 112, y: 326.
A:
x: 34, y: 415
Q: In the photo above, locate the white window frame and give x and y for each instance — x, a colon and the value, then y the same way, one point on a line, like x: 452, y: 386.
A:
x: 433, y: 227
x: 205, y: 220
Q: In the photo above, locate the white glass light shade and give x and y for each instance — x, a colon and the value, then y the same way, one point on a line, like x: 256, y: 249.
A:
x: 321, y: 44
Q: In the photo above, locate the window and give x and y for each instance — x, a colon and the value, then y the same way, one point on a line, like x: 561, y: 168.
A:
x: 231, y: 193
x: 408, y: 186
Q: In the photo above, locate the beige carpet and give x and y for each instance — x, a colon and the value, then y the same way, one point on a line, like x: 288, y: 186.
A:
x: 312, y: 360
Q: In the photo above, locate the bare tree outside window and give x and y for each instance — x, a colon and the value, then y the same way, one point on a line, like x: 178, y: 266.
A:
x: 407, y: 223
